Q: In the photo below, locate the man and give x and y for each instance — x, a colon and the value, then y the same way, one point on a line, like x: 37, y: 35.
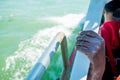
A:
x: 110, y: 31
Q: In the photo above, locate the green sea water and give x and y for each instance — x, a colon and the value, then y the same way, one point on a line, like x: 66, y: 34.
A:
x: 26, y: 29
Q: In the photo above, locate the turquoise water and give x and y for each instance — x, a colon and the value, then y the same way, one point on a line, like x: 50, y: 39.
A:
x: 27, y: 27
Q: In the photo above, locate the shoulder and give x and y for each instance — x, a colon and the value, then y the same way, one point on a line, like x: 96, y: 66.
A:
x: 110, y: 24
x: 106, y: 28
x: 106, y: 25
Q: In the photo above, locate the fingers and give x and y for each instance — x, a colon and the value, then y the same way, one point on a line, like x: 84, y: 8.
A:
x: 82, y: 38
x: 88, y: 48
x: 82, y: 44
x: 88, y: 42
x: 86, y: 37
x: 90, y: 34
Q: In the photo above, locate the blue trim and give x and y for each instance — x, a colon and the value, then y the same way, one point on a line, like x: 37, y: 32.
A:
x: 37, y: 72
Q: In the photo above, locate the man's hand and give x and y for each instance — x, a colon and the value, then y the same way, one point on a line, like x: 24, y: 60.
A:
x: 93, y: 46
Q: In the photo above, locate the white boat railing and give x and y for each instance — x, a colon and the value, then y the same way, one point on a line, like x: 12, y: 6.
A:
x: 44, y: 61
x: 92, y: 22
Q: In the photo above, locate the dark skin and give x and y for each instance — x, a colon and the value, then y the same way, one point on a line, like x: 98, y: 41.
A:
x: 93, y: 46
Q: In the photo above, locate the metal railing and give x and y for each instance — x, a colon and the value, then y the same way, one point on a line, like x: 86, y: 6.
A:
x: 44, y: 61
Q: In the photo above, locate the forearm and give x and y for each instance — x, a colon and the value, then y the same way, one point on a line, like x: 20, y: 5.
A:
x: 95, y: 74
x: 97, y: 67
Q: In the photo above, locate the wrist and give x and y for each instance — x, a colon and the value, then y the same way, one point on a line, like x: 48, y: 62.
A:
x: 94, y: 75
x: 95, y: 72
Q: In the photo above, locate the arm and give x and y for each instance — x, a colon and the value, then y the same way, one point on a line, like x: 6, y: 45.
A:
x: 93, y: 46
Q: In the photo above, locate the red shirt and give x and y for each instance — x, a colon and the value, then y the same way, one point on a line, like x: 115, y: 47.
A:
x: 110, y: 31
